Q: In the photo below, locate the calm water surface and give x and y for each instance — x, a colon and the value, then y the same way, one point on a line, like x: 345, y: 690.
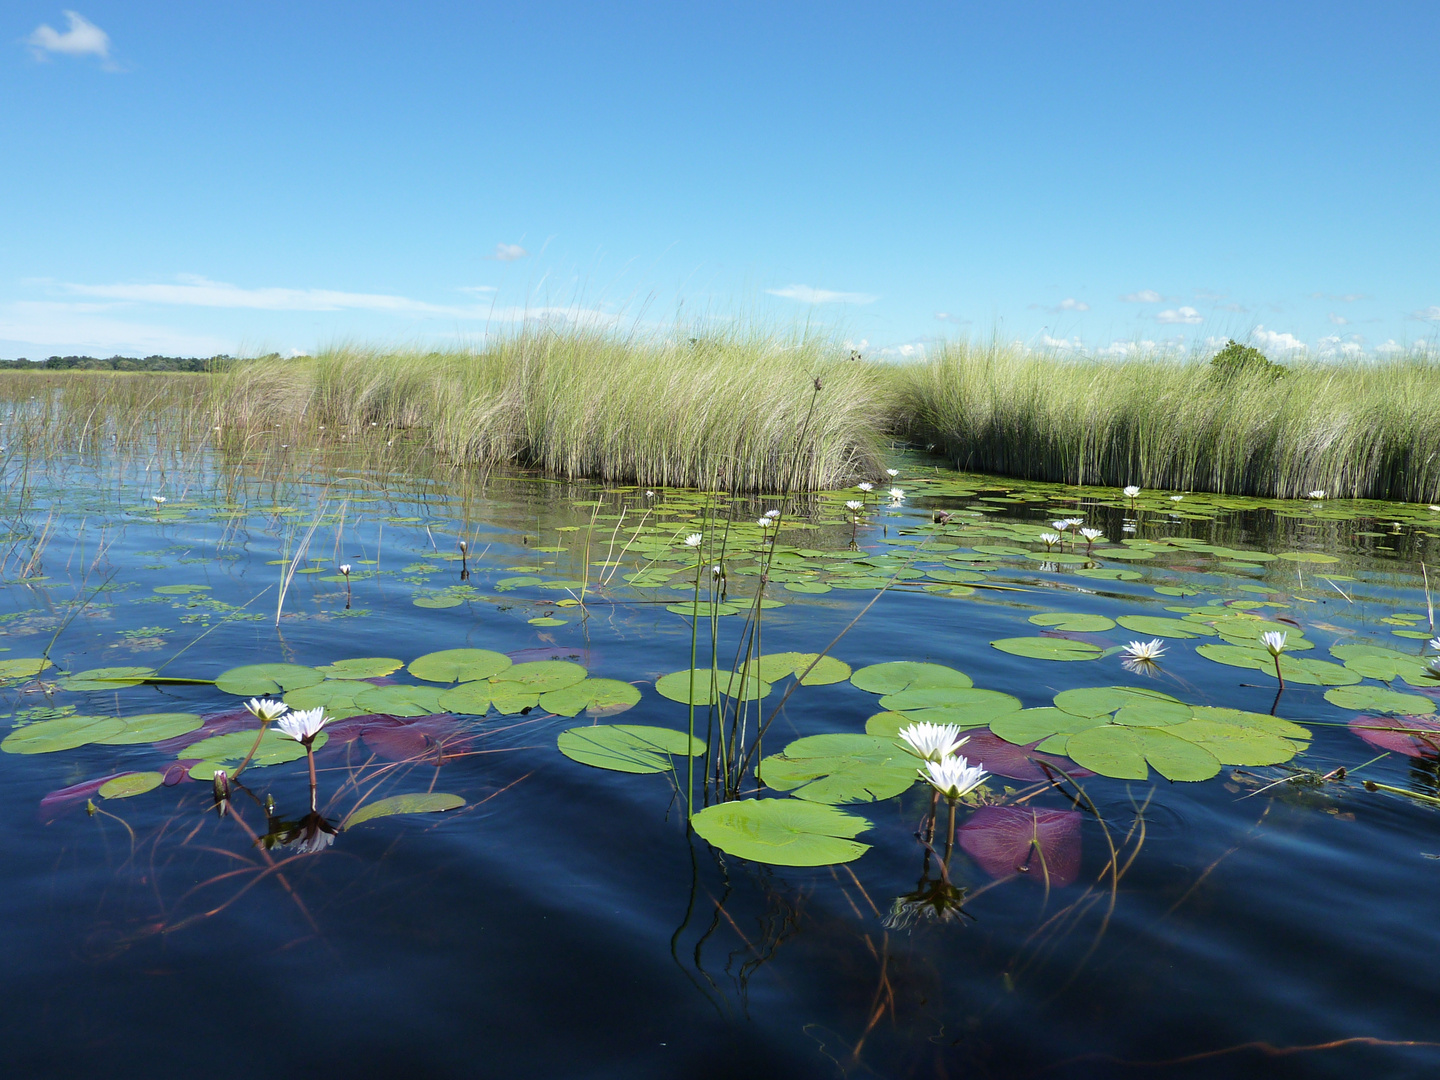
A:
x: 563, y: 923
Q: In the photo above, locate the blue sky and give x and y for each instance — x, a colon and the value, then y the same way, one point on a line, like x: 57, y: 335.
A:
x: 215, y: 177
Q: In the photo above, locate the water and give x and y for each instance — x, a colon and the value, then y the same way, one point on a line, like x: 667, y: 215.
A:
x: 562, y: 922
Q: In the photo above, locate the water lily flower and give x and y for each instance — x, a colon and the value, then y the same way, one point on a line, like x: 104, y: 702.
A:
x: 1318, y: 493
x: 1131, y: 491
x: 932, y: 742
x: 865, y: 485
x: 1274, y: 642
x: 715, y: 571
x: 1092, y: 535
x: 265, y: 710
x: 1061, y: 525
x: 303, y: 725
x: 854, y: 505
x: 1434, y: 643
x: 772, y: 513
x: 893, y: 472
x: 896, y: 494
x: 765, y: 522
x: 158, y: 499
x: 649, y: 494
x: 1074, y: 523
x: 1145, y: 650
x: 693, y: 540
x: 1049, y: 539
x: 953, y: 777
x: 1176, y: 498
x: 1432, y: 508
x: 345, y: 568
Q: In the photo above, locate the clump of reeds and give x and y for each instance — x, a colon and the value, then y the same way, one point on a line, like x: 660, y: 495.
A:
x: 1358, y: 428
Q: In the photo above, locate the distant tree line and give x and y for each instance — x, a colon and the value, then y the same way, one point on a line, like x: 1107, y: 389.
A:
x: 128, y: 363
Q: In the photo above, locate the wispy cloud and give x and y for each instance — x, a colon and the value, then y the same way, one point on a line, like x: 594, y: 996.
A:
x: 1429, y: 314
x: 84, y: 329
x: 1064, y: 344
x: 1184, y: 316
x: 508, y: 252
x: 1344, y: 298
x: 1336, y: 346
x: 1144, y: 296
x: 1131, y: 348
x: 1387, y: 348
x: 945, y: 316
x: 83, y: 38
x: 1071, y: 304
x: 193, y: 291
x: 1338, y: 320
x: 806, y: 294
x: 1275, y: 341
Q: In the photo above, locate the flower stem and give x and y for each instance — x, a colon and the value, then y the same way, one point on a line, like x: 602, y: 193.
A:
x: 689, y: 757
x: 253, y: 749
x: 1277, y: 672
x: 949, y: 837
x: 310, y: 756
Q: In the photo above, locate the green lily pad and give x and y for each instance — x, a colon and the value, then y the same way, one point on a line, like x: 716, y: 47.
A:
x: 1109, y: 573
x: 783, y: 832
x: 469, y: 698
x: 131, y: 784
x: 900, y: 675
x: 1155, y: 626
x: 435, y: 601
x: 1378, y: 699
x: 106, y: 678
x: 777, y: 666
x: 677, y: 686
x: 225, y: 752
x: 1124, y: 753
x: 458, y: 665
x: 537, y: 677
x: 1234, y: 745
x: 1073, y: 621
x: 1294, y: 669
x: 256, y: 680
x: 153, y: 727
x: 1377, y: 662
x: 427, y: 803
x: 22, y: 667
x: 1032, y: 725
x: 399, y: 700
x: 361, y: 667
x: 1153, y: 714
x: 64, y: 733
x: 629, y: 748
x: 1104, y: 700
x: 704, y: 609
x: 1048, y: 648
x: 977, y: 706
x: 840, y: 768
x: 598, y: 697
x: 336, y: 695
x: 1307, y: 557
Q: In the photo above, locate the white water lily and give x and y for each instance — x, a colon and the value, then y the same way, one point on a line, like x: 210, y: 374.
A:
x: 1092, y: 535
x: 1274, y: 642
x: 893, y: 472
x: 953, y: 777
x: 1176, y: 498
x: 932, y: 742
x: 1131, y: 491
x: 1074, y: 523
x: 896, y: 494
x: 1432, y: 508
x: 158, y: 499
x: 854, y: 504
x: 303, y: 725
x: 266, y: 709
x: 1049, y: 539
x: 693, y: 540
x: 772, y: 513
x: 1434, y: 643
x: 765, y: 523
x: 865, y: 485
x: 1318, y: 493
x: 1061, y: 525
x: 649, y: 494
x: 1145, y: 650
x: 345, y: 568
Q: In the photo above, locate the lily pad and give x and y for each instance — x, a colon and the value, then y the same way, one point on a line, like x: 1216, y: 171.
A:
x: 1378, y: 699
x: 629, y: 748
x: 1011, y: 841
x: 469, y: 698
x: 841, y: 768
x: 598, y: 697
x: 1074, y: 621
x: 1234, y: 745
x: 106, y: 678
x: 977, y: 706
x: 1155, y: 626
x: 336, y: 695
x: 361, y: 667
x: 892, y: 678
x: 458, y: 665
x: 1033, y: 726
x: 400, y: 700
x: 1413, y: 736
x: 1377, y: 662
x: 777, y: 666
x: 22, y: 667
x: 130, y: 784
x: 64, y: 733
x: 537, y: 677
x: 257, y: 680
x: 153, y: 727
x: 678, y: 686
x: 783, y: 832
x: 427, y: 803
x: 227, y: 751
x: 1124, y: 753
x: 1048, y: 648
x: 1294, y: 669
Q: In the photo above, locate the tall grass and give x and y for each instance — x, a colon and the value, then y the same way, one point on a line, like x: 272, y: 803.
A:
x: 1361, y: 429
x: 727, y: 413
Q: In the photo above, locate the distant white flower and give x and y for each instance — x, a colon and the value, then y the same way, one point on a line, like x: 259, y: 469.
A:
x: 893, y: 472
x: 1061, y: 525
x: 693, y: 540
x: 1318, y: 493
x: 1092, y: 534
x: 158, y: 499
x: 865, y: 485
x: 345, y: 568
x: 303, y: 725
x: 772, y: 513
x: 649, y: 494
x: 896, y: 494
x: 932, y: 742
x: 765, y: 523
x: 1145, y: 650
x: 1435, y: 643
x: 1432, y: 508
x: 854, y: 504
x: 265, y: 710
x: 1074, y: 523
x: 1274, y: 642
x: 1049, y: 539
x: 1131, y: 491
x: 1176, y: 498
x: 715, y: 571
x: 953, y: 777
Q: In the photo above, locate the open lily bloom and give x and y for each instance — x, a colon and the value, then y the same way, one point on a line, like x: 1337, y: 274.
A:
x: 1131, y: 491
x: 953, y: 777
x: 1274, y: 642
x: 266, y: 709
x: 932, y: 742
x: 1145, y: 650
x: 303, y: 725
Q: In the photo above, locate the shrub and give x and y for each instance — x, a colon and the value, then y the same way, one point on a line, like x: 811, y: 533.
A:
x: 1236, y: 359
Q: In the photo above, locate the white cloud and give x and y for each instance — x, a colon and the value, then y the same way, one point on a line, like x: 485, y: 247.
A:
x: 194, y: 291
x: 1386, y: 348
x: 914, y: 350
x: 1429, y: 314
x: 79, y: 329
x: 1338, y: 320
x: 1276, y: 342
x: 1334, y: 346
x: 1144, y: 296
x: 1186, y: 316
x: 805, y: 294
x: 945, y: 316
x: 1071, y: 304
x: 1130, y: 348
x: 1048, y: 342
x: 508, y: 252
x: 83, y: 38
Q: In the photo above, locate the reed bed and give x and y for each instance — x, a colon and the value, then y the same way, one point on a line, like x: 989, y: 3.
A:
x: 1358, y: 429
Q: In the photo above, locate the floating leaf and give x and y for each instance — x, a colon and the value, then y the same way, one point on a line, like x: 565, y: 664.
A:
x: 1048, y: 648
x: 437, y: 600
x: 256, y: 680
x: 1378, y: 662
x: 65, y: 733
x: 227, y: 751
x: 783, y: 832
x: 1123, y: 753
x: 1294, y: 669
x: 1006, y: 759
x: 1234, y: 745
x: 22, y: 667
x: 429, y: 803
x: 338, y: 696
x: 1031, y: 726
x: 1155, y: 626
x: 677, y: 686
x: 468, y: 699
x: 1413, y: 736
x: 361, y: 667
x: 1153, y: 714
x: 1378, y: 699
x: 537, y: 676
x: 130, y: 784
x: 777, y: 666
x: 400, y: 700
x: 841, y: 768
x: 458, y: 665
x: 629, y: 748
x: 1007, y: 841
x: 900, y: 675
x: 153, y: 727
x: 106, y: 678
x: 977, y: 707
x: 1073, y: 621
x: 1307, y: 557
x: 599, y: 697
